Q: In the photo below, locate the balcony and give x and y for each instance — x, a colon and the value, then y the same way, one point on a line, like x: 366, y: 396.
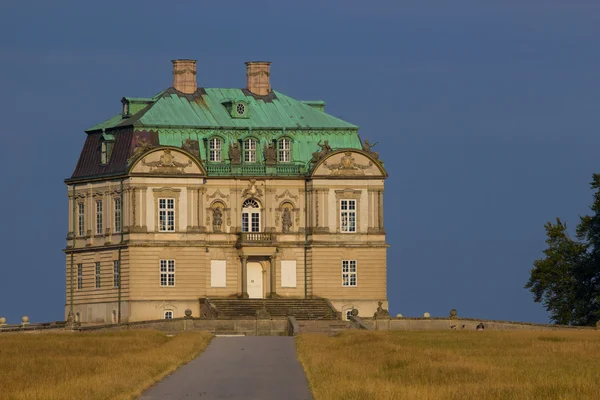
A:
x: 256, y: 238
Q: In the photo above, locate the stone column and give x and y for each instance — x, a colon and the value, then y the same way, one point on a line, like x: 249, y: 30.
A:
x: 244, y: 277
x: 273, y: 260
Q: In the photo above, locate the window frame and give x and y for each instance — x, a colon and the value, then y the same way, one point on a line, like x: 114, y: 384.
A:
x: 250, y: 154
x: 172, y: 314
x: 99, y: 215
x: 283, y: 151
x: 348, y: 274
x: 251, y: 217
x: 98, y: 271
x: 348, y: 216
x: 166, y: 214
x: 118, y: 214
x: 168, y: 272
x: 81, y: 219
x: 116, y: 274
x: 79, y: 276
x: 215, y: 146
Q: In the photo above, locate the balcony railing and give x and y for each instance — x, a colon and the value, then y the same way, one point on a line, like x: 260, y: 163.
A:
x: 256, y: 238
x: 223, y: 169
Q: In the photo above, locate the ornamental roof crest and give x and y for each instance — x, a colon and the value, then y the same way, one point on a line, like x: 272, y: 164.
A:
x: 166, y: 164
x: 347, y: 165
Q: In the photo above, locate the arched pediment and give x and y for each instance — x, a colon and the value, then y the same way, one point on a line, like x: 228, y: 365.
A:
x: 349, y: 163
x: 167, y: 161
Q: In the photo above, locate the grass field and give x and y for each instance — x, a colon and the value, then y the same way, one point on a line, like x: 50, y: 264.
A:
x: 92, y: 366
x: 453, y: 365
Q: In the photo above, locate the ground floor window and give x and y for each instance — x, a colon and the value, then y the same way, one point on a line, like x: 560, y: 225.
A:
x: 79, y: 276
x: 349, y: 273
x: 167, y: 272
x: 168, y: 314
x: 348, y: 314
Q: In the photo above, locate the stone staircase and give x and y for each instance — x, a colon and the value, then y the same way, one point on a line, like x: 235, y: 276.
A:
x: 301, y: 309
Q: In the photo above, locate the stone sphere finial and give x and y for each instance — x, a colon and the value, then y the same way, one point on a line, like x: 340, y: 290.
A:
x: 453, y: 313
x: 2, y: 320
x: 426, y: 315
x: 354, y: 312
x: 25, y: 319
x: 188, y: 312
x: 399, y: 315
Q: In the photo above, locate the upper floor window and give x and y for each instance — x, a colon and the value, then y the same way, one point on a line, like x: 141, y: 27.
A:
x: 79, y: 276
x: 167, y: 272
x: 250, y: 216
x: 118, y: 220
x: 98, y: 217
x: 348, y: 215
x: 166, y: 215
x: 214, y: 149
x: 81, y: 219
x: 349, y: 273
x: 284, y: 150
x: 250, y: 150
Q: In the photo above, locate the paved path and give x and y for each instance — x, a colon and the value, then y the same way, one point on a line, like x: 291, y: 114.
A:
x: 247, y: 367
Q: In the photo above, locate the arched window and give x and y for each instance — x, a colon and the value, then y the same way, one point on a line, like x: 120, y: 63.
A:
x: 284, y: 150
x: 214, y: 149
x: 250, y: 216
x: 250, y: 150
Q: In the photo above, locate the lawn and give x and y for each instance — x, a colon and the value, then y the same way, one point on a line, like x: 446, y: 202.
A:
x: 118, y: 365
x: 452, y: 365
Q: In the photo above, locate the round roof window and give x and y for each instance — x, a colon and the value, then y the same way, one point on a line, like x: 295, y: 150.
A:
x: 240, y: 108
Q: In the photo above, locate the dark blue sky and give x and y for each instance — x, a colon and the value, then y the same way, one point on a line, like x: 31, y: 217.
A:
x: 486, y: 114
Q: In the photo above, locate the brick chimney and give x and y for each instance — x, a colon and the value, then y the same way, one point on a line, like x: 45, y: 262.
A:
x: 258, y: 75
x: 184, y: 76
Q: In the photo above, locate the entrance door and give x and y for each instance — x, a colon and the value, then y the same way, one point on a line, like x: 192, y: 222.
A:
x: 255, y: 281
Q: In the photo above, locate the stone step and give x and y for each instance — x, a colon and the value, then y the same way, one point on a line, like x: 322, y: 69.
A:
x: 302, y: 309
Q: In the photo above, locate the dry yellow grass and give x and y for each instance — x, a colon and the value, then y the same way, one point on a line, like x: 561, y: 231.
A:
x: 452, y: 365
x: 116, y: 365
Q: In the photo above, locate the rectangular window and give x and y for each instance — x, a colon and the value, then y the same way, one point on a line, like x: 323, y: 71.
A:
x: 167, y: 272
x: 288, y: 273
x: 81, y: 219
x: 218, y: 273
x: 166, y: 215
x: 98, y: 217
x: 284, y: 150
x: 116, y: 274
x: 348, y: 215
x: 349, y: 273
x: 79, y: 276
x: 168, y: 314
x: 98, y: 275
x: 249, y: 150
x: 118, y: 221
x: 214, y: 146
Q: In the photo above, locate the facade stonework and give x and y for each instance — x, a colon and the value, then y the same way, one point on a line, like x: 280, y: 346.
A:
x: 250, y: 209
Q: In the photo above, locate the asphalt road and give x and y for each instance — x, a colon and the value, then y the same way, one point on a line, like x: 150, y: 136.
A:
x: 246, y: 367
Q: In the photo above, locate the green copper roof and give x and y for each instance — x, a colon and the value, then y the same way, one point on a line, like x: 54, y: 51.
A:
x: 207, y: 108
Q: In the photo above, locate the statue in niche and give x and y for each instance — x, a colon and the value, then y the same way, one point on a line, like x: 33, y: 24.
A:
x: 325, y: 148
x: 235, y: 154
x: 217, y: 219
x: 366, y: 146
x: 270, y: 153
x: 286, y: 220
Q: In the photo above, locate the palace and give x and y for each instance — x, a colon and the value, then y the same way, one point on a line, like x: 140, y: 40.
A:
x: 200, y: 193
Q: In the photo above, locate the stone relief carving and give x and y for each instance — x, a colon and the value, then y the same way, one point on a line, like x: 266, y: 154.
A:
x: 325, y: 148
x: 142, y: 145
x: 286, y: 220
x: 166, y: 164
x: 235, y: 154
x: 217, y: 193
x: 192, y: 147
x: 366, y: 146
x: 286, y: 193
x: 252, y: 190
x: 270, y: 153
x: 347, y: 166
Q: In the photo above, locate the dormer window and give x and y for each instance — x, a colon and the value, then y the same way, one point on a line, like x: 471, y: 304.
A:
x: 106, y: 147
x: 237, y: 108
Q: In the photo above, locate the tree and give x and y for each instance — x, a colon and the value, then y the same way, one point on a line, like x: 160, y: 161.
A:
x: 567, y: 279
